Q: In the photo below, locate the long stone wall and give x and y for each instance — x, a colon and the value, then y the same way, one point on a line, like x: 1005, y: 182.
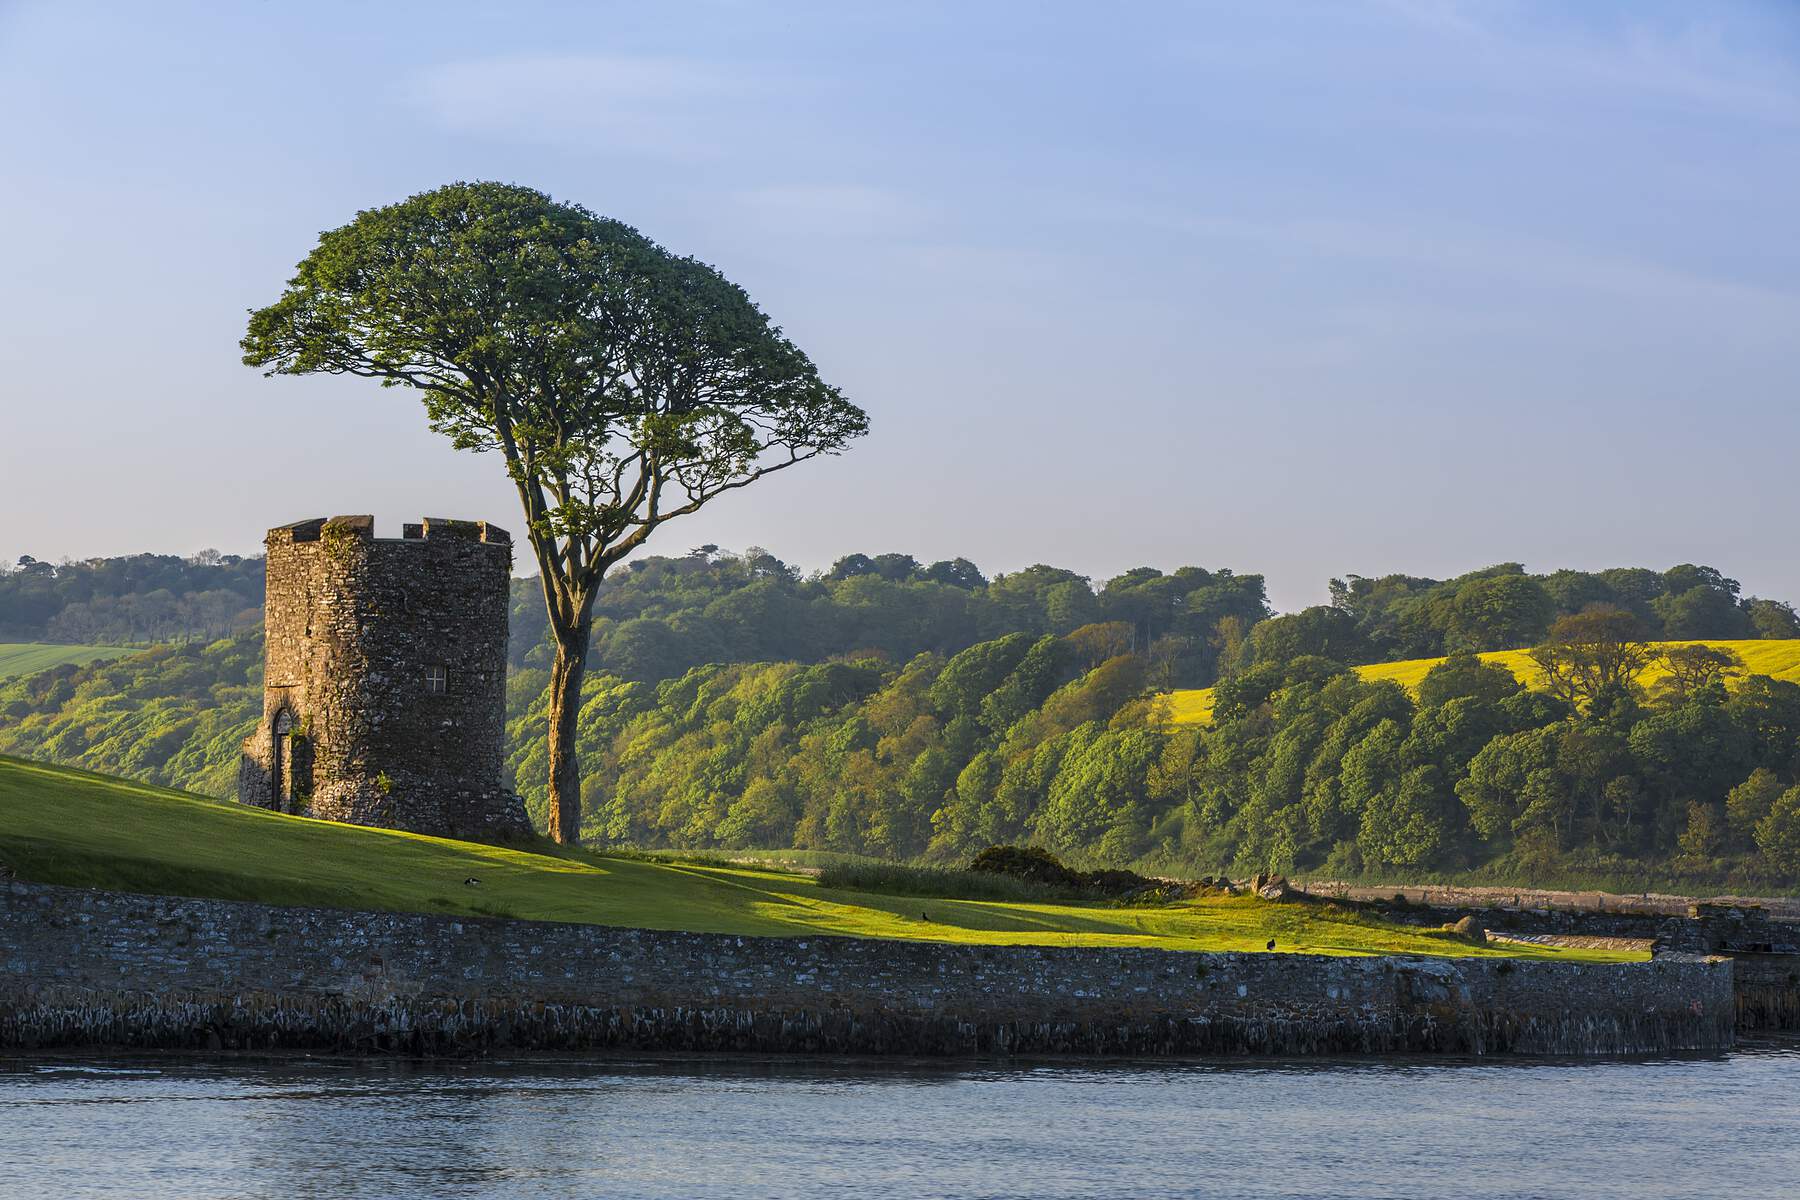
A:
x: 88, y: 968
x: 1493, y: 900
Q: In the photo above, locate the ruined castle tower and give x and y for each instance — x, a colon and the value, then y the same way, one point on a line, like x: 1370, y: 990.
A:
x: 384, y: 683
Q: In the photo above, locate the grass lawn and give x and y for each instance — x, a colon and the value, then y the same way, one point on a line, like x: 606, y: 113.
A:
x: 1779, y: 658
x: 25, y: 658
x: 72, y: 827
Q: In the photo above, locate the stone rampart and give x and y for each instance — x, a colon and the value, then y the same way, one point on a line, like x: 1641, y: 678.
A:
x: 1765, y: 955
x: 1768, y: 990
x: 88, y: 968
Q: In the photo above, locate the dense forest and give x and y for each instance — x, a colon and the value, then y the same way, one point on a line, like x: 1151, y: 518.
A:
x: 1503, y: 608
x: 1306, y: 767
x: 661, y: 617
x: 132, y: 599
x: 923, y: 712
x: 173, y: 714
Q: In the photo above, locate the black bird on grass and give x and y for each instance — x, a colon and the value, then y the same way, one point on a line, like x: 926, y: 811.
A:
x: 1271, y: 944
x: 471, y: 881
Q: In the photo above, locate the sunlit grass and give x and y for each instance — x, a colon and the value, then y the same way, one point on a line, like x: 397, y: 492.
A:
x: 76, y: 828
x: 1779, y: 659
x: 25, y: 658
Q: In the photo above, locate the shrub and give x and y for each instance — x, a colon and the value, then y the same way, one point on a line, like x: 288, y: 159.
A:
x: 1033, y: 863
x: 1778, y: 833
x: 893, y: 879
x: 1037, y: 865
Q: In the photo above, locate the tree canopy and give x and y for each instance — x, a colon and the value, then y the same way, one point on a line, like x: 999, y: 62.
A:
x: 623, y: 384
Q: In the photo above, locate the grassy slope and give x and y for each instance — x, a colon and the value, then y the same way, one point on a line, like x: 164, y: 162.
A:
x: 1780, y: 659
x: 72, y: 827
x: 24, y: 658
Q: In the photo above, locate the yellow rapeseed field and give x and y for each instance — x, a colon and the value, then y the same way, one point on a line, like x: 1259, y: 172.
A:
x: 1777, y: 658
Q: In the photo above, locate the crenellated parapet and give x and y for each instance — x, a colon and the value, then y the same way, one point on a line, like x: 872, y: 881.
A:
x: 315, y: 529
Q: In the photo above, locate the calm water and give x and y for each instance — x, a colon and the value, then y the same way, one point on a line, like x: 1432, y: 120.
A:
x: 1688, y: 1128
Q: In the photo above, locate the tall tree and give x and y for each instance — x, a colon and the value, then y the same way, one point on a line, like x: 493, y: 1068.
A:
x: 1588, y: 653
x: 1693, y: 667
x: 624, y: 386
x: 1772, y: 618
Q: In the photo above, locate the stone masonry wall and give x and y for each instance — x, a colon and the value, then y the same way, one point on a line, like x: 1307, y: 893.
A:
x: 1768, y: 990
x: 385, y: 678
x: 1645, y: 907
x: 87, y: 968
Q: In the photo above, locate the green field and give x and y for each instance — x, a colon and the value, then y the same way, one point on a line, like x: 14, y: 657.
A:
x: 24, y: 658
x: 71, y: 827
x: 1779, y: 658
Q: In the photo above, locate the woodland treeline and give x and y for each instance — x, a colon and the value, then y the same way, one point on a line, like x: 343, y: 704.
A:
x: 1503, y: 608
x: 904, y: 722
x: 130, y: 599
x: 659, y: 617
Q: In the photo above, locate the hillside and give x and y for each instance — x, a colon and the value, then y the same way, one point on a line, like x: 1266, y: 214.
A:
x: 1778, y: 659
x: 72, y: 827
x: 26, y: 658
x: 1019, y: 740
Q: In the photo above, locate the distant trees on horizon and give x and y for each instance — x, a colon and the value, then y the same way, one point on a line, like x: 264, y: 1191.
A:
x: 657, y: 617
x: 130, y: 599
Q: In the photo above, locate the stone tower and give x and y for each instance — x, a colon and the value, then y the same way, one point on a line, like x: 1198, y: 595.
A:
x: 384, y: 679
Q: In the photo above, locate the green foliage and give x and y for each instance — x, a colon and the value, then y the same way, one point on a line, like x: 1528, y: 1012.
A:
x: 1502, y: 607
x: 137, y: 598
x: 1320, y: 632
x: 658, y: 617
x: 1692, y: 669
x: 1463, y: 674
x: 173, y: 715
x: 621, y: 383
x: 1749, y: 802
x: 1778, y: 833
x: 1036, y: 867
x: 1703, y: 836
x: 1496, y: 610
x: 1594, y: 656
x: 1772, y: 619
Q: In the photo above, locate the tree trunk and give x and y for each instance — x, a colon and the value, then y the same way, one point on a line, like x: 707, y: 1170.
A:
x: 565, y: 708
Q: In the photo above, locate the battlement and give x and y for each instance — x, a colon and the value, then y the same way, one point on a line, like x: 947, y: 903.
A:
x: 443, y: 529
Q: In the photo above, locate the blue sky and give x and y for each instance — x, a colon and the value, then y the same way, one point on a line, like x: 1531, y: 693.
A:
x: 1302, y: 289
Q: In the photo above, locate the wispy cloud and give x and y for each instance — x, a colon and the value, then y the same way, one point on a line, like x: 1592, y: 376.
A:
x: 665, y: 106
x: 1690, y: 62
x: 834, y: 210
x: 1512, y: 258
